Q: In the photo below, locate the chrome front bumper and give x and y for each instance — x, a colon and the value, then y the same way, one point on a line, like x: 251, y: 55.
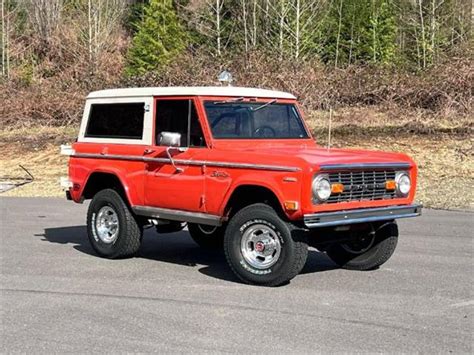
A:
x: 330, y: 219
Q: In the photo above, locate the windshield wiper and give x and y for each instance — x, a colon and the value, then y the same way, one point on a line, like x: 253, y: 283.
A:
x: 263, y: 106
x: 228, y: 101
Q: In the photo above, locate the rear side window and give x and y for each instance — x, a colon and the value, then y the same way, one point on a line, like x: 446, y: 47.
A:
x: 121, y: 120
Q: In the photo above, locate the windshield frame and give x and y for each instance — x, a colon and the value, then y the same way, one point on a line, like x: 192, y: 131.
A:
x: 257, y: 101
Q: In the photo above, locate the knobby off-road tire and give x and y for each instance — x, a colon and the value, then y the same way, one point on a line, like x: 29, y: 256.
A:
x: 112, y: 228
x: 257, y: 230
x: 377, y: 252
x: 207, y: 237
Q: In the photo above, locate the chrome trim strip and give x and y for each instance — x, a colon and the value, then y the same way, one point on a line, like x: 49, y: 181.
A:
x: 158, y: 160
x: 330, y: 219
x: 108, y: 156
x: 250, y: 166
x: 187, y: 162
x: 178, y: 215
x: 361, y: 166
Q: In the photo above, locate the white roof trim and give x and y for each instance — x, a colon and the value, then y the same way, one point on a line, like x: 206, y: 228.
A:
x: 191, y: 91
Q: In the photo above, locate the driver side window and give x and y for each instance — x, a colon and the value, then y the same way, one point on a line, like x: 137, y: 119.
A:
x: 179, y: 116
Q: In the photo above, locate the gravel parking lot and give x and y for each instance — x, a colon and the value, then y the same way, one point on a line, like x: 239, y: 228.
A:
x: 56, y: 295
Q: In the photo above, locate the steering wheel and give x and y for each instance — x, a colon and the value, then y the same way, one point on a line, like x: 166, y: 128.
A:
x: 261, y: 132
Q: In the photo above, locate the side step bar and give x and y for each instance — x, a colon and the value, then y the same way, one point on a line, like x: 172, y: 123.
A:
x: 178, y: 215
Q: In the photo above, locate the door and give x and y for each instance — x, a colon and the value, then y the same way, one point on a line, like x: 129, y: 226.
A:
x: 166, y: 186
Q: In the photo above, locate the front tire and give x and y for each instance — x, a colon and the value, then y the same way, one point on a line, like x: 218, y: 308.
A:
x: 111, y: 227
x: 369, y: 252
x: 261, y: 248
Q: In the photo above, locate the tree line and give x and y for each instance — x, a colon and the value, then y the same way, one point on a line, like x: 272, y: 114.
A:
x: 148, y: 34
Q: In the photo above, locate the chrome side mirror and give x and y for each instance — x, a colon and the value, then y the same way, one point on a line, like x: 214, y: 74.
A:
x: 169, y: 139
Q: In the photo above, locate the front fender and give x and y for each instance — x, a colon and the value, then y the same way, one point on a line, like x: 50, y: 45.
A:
x: 286, y: 186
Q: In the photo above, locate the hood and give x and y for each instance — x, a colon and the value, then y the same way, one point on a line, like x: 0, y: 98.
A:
x: 323, y: 156
x: 317, y: 156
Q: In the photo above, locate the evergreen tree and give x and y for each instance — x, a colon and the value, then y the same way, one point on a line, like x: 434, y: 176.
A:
x: 159, y: 38
x: 383, y: 30
x: 360, y: 31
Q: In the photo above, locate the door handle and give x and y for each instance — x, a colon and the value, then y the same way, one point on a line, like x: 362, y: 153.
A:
x: 148, y: 151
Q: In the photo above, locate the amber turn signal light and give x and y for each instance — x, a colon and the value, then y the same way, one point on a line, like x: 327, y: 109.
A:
x: 291, y: 205
x: 390, y: 185
x: 337, y: 188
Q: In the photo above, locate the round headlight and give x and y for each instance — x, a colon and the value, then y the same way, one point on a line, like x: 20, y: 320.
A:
x: 403, y: 183
x: 321, y: 188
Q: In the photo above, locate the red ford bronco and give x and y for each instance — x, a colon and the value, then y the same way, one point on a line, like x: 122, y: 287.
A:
x: 239, y: 167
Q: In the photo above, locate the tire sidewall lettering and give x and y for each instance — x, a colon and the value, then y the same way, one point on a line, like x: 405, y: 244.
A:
x: 254, y: 271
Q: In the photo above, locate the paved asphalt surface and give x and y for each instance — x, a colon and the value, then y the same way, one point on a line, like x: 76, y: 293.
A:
x: 56, y: 295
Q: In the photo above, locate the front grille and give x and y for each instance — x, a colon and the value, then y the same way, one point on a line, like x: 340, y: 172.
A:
x: 362, y: 185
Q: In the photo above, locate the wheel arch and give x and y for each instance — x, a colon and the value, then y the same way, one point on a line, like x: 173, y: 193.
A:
x: 246, y: 194
x: 100, y: 180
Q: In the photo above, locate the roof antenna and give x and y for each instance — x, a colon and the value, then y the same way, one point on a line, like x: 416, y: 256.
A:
x: 225, y: 77
x: 329, y: 130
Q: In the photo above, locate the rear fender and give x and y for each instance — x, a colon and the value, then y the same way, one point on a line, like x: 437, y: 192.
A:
x: 131, y: 194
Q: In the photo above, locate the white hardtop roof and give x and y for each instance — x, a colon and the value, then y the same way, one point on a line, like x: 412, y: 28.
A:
x: 191, y: 91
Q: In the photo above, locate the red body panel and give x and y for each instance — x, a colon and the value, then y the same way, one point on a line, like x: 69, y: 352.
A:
x: 130, y: 173
x: 206, y: 188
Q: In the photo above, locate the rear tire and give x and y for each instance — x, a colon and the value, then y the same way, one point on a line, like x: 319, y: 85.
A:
x: 207, y: 237
x: 112, y: 229
x: 371, y: 251
x: 261, y: 248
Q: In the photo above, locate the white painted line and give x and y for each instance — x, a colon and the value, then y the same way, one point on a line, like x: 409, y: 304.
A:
x: 462, y: 304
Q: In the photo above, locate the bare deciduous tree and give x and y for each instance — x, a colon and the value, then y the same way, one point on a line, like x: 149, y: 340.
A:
x: 288, y: 26
x: 338, y: 33
x: 98, y: 21
x: 104, y: 18
x: 243, y: 4
x: 217, y: 9
x: 8, y: 13
x: 301, y: 23
x: 44, y: 17
x: 4, y: 52
x: 209, y: 22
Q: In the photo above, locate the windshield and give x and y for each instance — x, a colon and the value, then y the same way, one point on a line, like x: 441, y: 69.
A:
x: 255, y: 120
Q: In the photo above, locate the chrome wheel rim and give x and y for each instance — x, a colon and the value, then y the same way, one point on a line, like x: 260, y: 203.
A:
x: 208, y: 230
x: 107, y: 225
x: 260, y: 246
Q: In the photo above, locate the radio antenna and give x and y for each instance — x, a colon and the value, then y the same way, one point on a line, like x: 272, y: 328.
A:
x: 329, y: 128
